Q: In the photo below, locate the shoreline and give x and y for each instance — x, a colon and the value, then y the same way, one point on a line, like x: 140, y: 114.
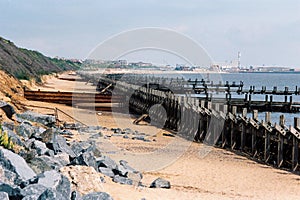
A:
x: 220, y: 175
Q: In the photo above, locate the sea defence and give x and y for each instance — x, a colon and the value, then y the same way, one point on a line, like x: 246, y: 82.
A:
x: 219, y: 122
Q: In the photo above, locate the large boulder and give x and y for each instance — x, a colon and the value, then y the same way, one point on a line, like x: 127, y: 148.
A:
x: 25, y: 129
x: 85, y: 159
x: 47, y: 136
x: 38, y: 133
x: 46, y: 120
x: 16, y: 164
x: 55, y: 181
x: 84, y: 146
x: 60, y: 146
x: 84, y: 179
x: 44, y: 163
x: 40, y: 147
x: 97, y: 196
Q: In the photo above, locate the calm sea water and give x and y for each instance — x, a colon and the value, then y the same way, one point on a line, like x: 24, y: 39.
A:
x: 280, y: 80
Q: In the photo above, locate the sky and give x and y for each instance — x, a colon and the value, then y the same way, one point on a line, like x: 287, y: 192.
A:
x: 266, y: 32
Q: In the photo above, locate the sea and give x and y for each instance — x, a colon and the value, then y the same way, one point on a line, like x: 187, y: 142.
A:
x: 269, y: 80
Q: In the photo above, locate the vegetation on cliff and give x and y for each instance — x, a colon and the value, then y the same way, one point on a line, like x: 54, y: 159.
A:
x: 27, y: 64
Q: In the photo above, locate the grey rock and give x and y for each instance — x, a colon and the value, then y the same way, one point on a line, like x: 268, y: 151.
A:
x: 31, y: 197
x: 40, y: 147
x: 122, y: 180
x: 126, y: 171
x: 97, y: 196
x: 105, y: 161
x: 54, y: 180
x: 96, y: 136
x: 102, y: 179
x: 116, y: 130
x: 13, y: 192
x: 38, y: 133
x: 7, y: 108
x: 51, y: 194
x: 47, y: 136
x: 8, y: 126
x: 4, y: 196
x: 124, y: 163
x: 28, y: 143
x: 139, y: 137
x: 74, y: 126
x: 160, y: 183
x: 34, y: 189
x: 90, y: 129
x: 46, y: 120
x: 62, y: 158
x: 25, y: 129
x: 84, y: 146
x: 106, y: 171
x: 135, y: 176
x: 33, y: 180
x: 7, y: 176
x: 60, y: 146
x: 64, y: 187
x: 121, y: 170
x: 49, y: 179
x: 127, y: 131
x: 75, y: 195
x: 126, y: 136
x: 16, y: 164
x: 85, y: 159
x: 44, y: 163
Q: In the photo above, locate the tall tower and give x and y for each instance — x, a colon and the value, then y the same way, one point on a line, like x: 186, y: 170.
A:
x: 239, y: 60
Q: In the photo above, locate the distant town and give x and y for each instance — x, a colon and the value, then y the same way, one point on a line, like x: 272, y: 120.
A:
x: 225, y: 68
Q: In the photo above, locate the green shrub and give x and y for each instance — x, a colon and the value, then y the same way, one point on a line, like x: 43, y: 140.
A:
x: 5, y: 140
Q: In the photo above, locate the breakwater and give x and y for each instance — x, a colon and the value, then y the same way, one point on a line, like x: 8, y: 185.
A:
x: 215, y: 121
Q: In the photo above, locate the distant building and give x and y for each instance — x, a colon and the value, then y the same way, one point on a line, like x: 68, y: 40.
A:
x: 140, y: 64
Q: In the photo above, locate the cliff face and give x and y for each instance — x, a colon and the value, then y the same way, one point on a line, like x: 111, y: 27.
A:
x: 27, y: 64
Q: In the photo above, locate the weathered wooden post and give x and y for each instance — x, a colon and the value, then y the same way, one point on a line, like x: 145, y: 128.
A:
x: 232, y: 130
x: 267, y: 132
x: 254, y: 128
x: 244, y: 128
x: 281, y: 134
x: 271, y: 102
x: 296, y: 137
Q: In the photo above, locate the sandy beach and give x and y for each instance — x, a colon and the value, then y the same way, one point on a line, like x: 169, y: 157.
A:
x: 221, y: 174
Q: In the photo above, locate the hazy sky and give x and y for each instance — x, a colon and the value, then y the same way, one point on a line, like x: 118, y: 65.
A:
x: 265, y: 31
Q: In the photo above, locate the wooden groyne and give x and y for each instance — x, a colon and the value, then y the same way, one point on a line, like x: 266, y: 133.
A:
x: 207, y: 91
x: 222, y: 122
x: 99, y: 102
x: 217, y: 123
